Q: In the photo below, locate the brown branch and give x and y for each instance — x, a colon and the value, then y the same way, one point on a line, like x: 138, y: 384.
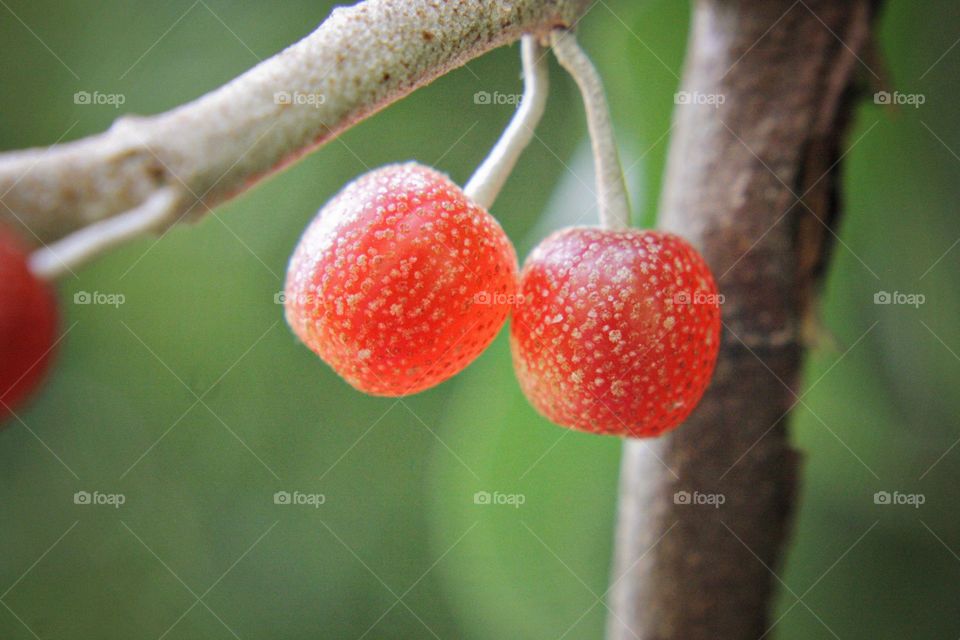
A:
x: 751, y: 181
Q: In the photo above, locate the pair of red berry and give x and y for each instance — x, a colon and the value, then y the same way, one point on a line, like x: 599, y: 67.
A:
x: 28, y: 325
x: 401, y: 281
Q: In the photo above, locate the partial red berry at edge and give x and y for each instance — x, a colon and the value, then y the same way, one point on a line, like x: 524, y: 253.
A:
x: 28, y: 325
x: 400, y: 281
x: 615, y: 332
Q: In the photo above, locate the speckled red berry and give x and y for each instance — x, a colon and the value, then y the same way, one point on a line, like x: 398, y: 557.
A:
x: 28, y: 325
x: 615, y: 332
x: 400, y: 281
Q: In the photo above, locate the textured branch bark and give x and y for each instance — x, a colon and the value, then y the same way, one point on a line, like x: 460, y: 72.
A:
x: 752, y: 182
x: 359, y: 60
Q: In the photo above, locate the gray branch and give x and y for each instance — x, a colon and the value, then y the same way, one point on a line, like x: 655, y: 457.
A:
x: 358, y: 61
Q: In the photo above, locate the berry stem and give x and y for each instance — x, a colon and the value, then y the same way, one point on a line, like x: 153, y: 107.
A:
x: 611, y: 188
x: 488, y: 179
x: 59, y: 258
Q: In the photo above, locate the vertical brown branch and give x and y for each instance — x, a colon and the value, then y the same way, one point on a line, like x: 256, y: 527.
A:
x: 751, y: 182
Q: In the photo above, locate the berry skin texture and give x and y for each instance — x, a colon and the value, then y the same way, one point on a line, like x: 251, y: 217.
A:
x: 615, y: 332
x: 28, y: 325
x: 400, y: 281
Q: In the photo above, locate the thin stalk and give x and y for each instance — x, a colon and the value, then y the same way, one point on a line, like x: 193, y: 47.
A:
x: 59, y: 258
x: 611, y: 188
x: 488, y: 179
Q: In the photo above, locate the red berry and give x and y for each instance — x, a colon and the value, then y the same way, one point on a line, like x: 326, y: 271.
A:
x: 28, y: 325
x: 615, y: 332
x: 400, y: 281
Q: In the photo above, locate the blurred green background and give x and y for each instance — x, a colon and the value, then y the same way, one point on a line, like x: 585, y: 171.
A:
x: 193, y: 400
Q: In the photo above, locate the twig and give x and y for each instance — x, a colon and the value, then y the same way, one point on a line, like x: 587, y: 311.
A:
x: 611, y: 188
x: 487, y: 181
x: 62, y: 257
x: 358, y: 61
